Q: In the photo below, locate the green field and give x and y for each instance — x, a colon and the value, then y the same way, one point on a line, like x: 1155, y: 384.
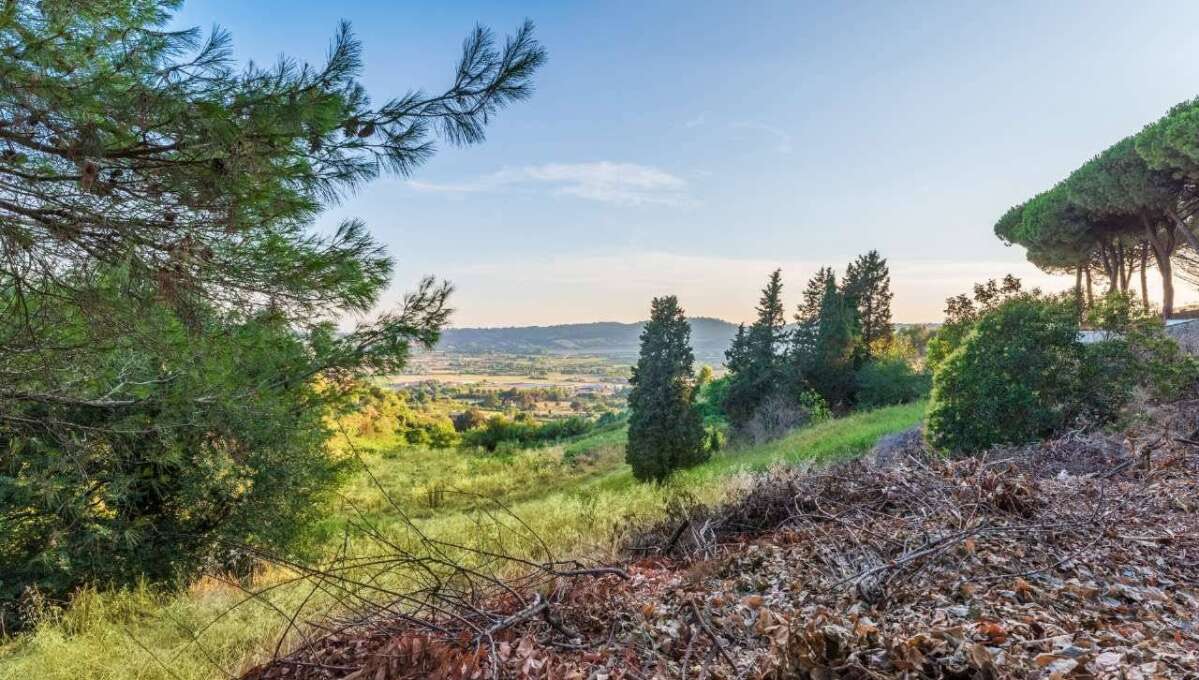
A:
x: 578, y: 498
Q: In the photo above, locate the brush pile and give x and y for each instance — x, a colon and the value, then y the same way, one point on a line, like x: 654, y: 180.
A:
x: 1077, y: 557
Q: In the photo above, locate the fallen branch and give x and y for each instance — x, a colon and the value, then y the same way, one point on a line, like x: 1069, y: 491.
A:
x: 703, y: 624
x: 537, y: 607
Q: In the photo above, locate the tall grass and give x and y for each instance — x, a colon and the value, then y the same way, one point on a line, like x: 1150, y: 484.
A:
x: 579, y: 498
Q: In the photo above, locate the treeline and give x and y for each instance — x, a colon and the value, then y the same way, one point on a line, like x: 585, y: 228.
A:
x: 1127, y: 210
x: 373, y: 411
x: 503, y: 434
x: 841, y: 352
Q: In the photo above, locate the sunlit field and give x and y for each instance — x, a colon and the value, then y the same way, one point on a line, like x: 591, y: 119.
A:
x: 578, y: 498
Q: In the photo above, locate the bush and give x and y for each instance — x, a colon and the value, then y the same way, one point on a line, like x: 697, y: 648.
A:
x: 715, y: 440
x: 469, y: 419
x: 889, y: 381
x: 507, y: 434
x: 1020, y: 372
x: 710, y: 400
x: 777, y: 415
x: 611, y: 420
x: 1014, y: 378
x: 160, y: 486
x: 378, y: 411
x: 1136, y: 354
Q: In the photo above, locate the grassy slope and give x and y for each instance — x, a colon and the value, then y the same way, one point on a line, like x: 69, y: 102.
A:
x: 581, y: 508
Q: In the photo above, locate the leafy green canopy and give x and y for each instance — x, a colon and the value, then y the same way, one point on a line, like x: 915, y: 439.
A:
x: 1170, y: 144
x: 1019, y: 372
x: 665, y: 428
x: 1013, y: 379
x: 1134, y: 198
x: 167, y: 341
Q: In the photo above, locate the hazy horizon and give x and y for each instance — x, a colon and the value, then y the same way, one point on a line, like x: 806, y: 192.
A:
x: 692, y: 148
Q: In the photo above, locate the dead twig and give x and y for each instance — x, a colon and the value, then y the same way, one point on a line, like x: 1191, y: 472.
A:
x: 703, y: 624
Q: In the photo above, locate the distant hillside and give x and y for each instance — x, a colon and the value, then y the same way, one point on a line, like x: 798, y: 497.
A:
x: 709, y: 337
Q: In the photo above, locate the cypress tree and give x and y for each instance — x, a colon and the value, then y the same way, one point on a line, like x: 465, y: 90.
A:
x: 665, y: 429
x: 830, y: 368
x: 807, y: 318
x: 757, y: 371
x: 867, y: 287
x: 735, y: 355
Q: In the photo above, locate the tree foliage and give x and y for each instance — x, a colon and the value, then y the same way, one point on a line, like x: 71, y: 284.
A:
x: 1130, y: 207
x: 166, y: 308
x: 963, y: 311
x: 830, y: 368
x: 839, y: 328
x: 1013, y: 379
x: 755, y: 359
x: 867, y: 287
x: 665, y: 429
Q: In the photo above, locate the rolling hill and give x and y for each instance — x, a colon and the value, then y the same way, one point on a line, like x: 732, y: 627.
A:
x: 709, y: 337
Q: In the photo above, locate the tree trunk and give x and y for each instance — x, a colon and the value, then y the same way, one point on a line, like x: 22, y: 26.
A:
x: 1167, y: 288
x: 1109, y: 268
x: 1090, y: 290
x: 1124, y: 265
x: 1181, y: 225
x: 1079, y: 301
x: 1145, y: 275
x: 1163, y: 243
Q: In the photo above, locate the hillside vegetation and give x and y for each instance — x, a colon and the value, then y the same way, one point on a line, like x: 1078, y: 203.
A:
x: 1070, y: 558
x: 586, y: 507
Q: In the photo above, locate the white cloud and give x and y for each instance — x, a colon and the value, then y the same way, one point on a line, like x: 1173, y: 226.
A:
x: 605, y: 181
x: 697, y: 121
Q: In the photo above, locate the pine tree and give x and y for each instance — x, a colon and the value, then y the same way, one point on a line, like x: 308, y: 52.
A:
x: 830, y: 368
x: 665, y: 429
x: 807, y: 317
x: 736, y: 355
x: 759, y: 371
x: 867, y: 287
x: 167, y: 305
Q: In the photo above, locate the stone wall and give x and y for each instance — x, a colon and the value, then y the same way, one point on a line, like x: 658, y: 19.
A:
x: 1187, y: 335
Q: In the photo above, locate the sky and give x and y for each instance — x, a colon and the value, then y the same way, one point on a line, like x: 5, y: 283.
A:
x: 691, y: 147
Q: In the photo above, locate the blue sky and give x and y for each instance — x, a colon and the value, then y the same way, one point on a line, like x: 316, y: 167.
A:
x: 691, y: 147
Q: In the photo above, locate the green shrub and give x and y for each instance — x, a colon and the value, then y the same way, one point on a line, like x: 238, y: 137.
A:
x: 1136, y: 354
x: 963, y: 311
x: 710, y: 400
x: 509, y: 434
x: 1014, y: 378
x: 889, y: 381
x: 159, y: 486
x: 1020, y: 372
x: 378, y: 411
x: 715, y: 440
